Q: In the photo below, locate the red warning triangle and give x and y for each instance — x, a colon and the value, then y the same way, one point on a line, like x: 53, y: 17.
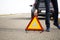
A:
x: 34, y: 25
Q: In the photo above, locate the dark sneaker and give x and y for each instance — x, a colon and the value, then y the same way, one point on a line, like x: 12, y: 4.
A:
x: 48, y: 29
x: 58, y: 27
x: 55, y: 24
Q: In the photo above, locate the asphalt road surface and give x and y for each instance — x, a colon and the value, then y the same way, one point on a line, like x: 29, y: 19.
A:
x: 13, y: 28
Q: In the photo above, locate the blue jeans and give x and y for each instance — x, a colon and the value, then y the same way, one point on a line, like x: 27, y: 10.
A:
x: 47, y: 5
x: 55, y: 6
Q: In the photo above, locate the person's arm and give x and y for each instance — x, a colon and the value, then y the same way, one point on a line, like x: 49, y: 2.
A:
x: 36, y: 5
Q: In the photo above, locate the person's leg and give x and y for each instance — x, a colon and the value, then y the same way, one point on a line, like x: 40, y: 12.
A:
x: 47, y: 5
x: 55, y: 6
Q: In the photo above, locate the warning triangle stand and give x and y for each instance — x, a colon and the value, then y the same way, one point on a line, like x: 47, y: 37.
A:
x: 34, y: 25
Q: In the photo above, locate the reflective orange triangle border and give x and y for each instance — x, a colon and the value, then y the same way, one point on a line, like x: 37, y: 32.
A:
x: 39, y: 29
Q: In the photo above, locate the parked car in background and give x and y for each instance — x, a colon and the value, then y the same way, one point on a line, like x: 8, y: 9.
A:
x: 42, y: 9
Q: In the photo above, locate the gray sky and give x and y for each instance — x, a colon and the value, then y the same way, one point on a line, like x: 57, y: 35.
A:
x: 16, y: 6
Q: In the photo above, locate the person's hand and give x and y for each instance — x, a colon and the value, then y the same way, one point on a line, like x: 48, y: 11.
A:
x: 35, y: 12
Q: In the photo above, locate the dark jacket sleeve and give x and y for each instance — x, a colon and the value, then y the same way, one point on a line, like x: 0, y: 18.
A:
x: 36, y: 5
